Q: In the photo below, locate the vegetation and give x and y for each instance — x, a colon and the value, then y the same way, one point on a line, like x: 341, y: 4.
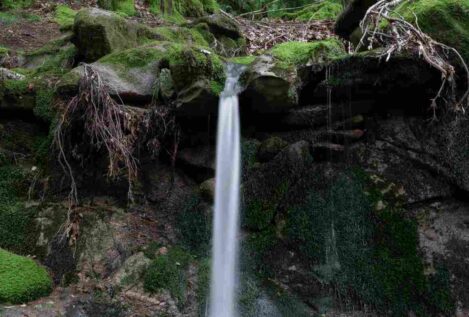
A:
x: 168, y: 271
x: 195, y: 227
x: 367, y: 246
x: 21, y: 279
x: 64, y: 16
x: 300, y: 53
x: 446, y: 21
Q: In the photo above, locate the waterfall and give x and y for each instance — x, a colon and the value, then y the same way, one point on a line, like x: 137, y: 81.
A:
x: 227, y: 185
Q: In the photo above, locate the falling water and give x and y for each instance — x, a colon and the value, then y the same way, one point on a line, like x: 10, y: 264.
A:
x: 226, y: 219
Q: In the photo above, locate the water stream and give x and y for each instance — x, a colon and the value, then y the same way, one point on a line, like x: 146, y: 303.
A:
x: 226, y: 218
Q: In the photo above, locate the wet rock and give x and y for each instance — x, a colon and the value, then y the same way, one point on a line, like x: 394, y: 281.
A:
x: 444, y: 239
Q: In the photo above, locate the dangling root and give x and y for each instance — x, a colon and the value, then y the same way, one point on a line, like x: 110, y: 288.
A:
x: 104, y: 124
x: 402, y: 35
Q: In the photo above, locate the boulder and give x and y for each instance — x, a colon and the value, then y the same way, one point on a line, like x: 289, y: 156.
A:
x: 269, y: 148
x: 98, y: 32
x: 222, y: 33
x: 273, y: 82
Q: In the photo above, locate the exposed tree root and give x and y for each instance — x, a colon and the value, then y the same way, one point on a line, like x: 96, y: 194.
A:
x: 400, y: 35
x: 93, y: 121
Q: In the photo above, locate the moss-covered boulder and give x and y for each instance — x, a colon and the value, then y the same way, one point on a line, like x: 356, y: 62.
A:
x: 223, y: 34
x: 446, y: 21
x: 21, y: 279
x: 270, y: 147
x: 98, y: 33
x: 273, y: 81
x: 191, y: 76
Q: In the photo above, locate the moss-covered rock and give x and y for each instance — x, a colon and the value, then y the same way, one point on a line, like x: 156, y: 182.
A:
x: 270, y: 147
x: 168, y: 272
x: 139, y: 74
x: 98, y: 33
x: 223, y: 34
x: 21, y: 279
x: 273, y: 82
x: 446, y: 21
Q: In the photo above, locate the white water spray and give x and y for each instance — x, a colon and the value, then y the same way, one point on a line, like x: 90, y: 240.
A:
x: 227, y: 184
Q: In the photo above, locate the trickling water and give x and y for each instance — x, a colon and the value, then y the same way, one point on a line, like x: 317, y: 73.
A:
x: 227, y: 184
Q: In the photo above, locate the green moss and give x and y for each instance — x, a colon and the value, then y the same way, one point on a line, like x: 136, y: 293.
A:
x: 203, y: 285
x: 260, y: 213
x: 182, y: 35
x: 324, y: 10
x: 365, y: 251
x: 21, y: 279
x: 126, y: 7
x: 64, y: 16
x: 15, y: 219
x: 301, y: 53
x: 216, y: 87
x: 244, y: 60
x: 16, y: 87
x: 189, y: 64
x: 195, y: 226
x: 184, y: 8
x: 16, y: 16
x: 16, y: 4
x: 135, y: 58
x: 43, y: 108
x: 169, y: 272
x: 249, y: 148
x: 3, y: 50
x: 446, y: 21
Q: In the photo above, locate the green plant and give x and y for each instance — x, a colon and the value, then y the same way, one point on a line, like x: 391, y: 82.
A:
x: 195, y: 226
x: 64, y: 16
x: 168, y: 272
x: 21, y: 279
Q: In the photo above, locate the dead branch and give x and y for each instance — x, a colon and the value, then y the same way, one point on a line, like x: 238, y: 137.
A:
x: 400, y: 35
